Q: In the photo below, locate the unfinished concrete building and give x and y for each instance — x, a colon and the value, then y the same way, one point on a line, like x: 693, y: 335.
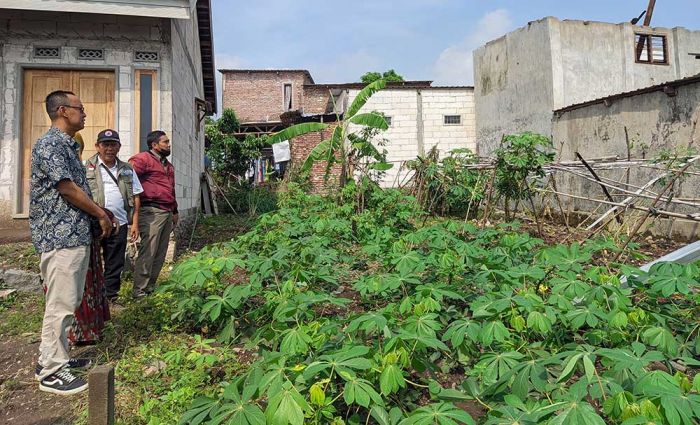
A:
x: 136, y: 65
x: 523, y: 77
x: 602, y: 90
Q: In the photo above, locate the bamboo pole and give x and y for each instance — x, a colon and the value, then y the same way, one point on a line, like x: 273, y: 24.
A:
x: 641, y: 222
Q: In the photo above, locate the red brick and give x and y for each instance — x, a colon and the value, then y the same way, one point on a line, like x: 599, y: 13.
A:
x: 242, y: 92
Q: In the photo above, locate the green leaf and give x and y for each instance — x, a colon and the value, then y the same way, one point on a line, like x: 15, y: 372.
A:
x: 539, y: 322
x: 363, y: 96
x: 578, y: 413
x: 372, y: 119
x: 295, y: 131
x: 493, y: 331
x: 286, y: 407
x: 361, y: 392
x: 391, y: 380
x: 345, y: 360
x: 295, y: 341
x: 381, y: 166
x: 460, y: 329
x: 662, y: 338
x: 496, y: 365
x: 198, y: 411
x: 438, y: 414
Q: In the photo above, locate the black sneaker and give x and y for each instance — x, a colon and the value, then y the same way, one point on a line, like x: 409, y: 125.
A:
x: 72, y: 364
x: 63, y: 382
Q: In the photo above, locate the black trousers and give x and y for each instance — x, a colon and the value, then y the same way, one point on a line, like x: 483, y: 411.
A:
x: 113, y: 253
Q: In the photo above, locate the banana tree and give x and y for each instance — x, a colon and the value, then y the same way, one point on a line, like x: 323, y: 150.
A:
x: 344, y: 147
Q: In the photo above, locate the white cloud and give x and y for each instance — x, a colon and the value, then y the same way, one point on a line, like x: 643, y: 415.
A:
x: 455, y: 65
x: 345, y: 68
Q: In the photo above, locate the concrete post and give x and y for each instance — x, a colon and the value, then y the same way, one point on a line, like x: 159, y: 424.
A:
x: 101, y: 396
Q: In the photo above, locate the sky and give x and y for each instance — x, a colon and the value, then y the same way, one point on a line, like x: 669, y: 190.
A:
x: 420, y: 39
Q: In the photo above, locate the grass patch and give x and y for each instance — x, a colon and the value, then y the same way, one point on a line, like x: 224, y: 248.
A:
x: 219, y: 228
x: 19, y: 255
x: 21, y: 313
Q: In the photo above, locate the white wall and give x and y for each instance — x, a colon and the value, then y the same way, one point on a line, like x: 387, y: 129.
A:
x: 440, y: 102
x: 417, y: 123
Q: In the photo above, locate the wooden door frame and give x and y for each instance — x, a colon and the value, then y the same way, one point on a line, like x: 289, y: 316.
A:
x: 155, y: 113
x: 21, y: 68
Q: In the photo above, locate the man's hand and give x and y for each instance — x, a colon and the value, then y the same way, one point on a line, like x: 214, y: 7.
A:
x: 106, y: 225
x: 74, y: 195
x: 134, y: 232
x: 175, y: 219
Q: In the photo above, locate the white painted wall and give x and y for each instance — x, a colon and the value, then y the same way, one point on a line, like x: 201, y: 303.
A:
x: 440, y: 102
x: 408, y: 109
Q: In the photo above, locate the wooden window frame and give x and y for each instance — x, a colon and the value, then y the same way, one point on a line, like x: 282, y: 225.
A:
x: 137, y: 104
x: 287, y: 107
x: 638, y: 49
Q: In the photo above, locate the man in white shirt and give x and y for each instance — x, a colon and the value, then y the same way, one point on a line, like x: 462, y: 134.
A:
x: 116, y: 187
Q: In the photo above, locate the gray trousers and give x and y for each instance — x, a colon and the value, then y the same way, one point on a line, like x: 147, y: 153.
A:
x: 63, y: 271
x: 155, y: 226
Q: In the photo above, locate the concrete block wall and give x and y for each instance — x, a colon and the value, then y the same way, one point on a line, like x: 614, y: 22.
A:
x: 446, y: 137
x: 655, y: 122
x: 549, y: 64
x: 119, y: 36
x: 258, y: 96
x: 417, y: 123
x: 513, y: 85
x: 187, y: 137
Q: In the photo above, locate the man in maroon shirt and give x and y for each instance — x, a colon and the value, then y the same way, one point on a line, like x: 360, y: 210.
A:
x: 158, y: 213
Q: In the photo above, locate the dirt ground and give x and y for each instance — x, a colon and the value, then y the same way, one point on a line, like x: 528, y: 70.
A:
x: 21, y: 402
x: 15, y: 232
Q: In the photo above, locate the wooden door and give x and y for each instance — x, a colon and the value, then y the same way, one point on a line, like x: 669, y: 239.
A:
x: 96, y: 91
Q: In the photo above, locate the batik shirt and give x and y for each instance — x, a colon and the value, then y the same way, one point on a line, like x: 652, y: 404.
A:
x: 55, y: 223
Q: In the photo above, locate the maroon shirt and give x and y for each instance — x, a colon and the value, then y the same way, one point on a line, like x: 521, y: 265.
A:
x: 157, y: 179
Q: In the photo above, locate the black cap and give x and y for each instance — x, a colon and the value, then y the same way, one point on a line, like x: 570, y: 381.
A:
x: 108, y: 135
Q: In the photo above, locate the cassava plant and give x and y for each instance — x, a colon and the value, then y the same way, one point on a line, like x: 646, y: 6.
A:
x: 384, y: 317
x: 520, y: 157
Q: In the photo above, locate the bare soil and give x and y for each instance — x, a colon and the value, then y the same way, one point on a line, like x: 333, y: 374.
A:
x: 21, y: 402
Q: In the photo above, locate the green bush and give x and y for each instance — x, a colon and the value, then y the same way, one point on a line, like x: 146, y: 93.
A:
x: 248, y: 199
x: 448, y: 186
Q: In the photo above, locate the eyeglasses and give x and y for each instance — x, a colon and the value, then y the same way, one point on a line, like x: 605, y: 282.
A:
x: 80, y: 108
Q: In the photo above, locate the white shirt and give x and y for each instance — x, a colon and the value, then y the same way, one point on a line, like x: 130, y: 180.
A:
x: 113, y: 197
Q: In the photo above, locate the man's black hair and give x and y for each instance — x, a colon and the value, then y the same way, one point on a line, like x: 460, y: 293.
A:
x: 56, y: 99
x: 153, y: 137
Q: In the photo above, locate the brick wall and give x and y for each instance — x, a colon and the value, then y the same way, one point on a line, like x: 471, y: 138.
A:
x: 302, y: 146
x: 316, y: 100
x: 242, y: 92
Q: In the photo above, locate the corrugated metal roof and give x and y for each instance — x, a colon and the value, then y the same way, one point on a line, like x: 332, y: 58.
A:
x: 657, y: 87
